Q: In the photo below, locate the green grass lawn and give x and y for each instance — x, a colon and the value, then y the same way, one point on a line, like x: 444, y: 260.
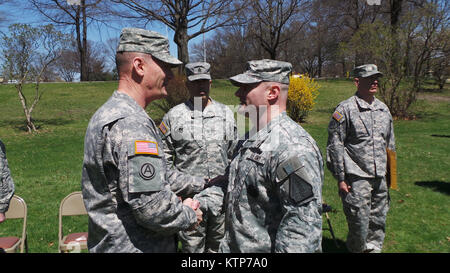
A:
x: 46, y: 166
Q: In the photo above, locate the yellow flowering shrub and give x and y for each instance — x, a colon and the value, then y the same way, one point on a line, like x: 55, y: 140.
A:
x: 303, y: 92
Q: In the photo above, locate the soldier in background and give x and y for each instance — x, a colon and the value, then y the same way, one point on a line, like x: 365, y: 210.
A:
x: 130, y: 204
x: 359, y: 132
x: 274, y: 195
x: 6, y: 183
x: 198, y: 137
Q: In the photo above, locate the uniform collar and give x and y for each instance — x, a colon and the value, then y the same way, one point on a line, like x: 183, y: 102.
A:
x: 131, y: 102
x: 207, y: 113
x: 257, y: 139
x: 362, y: 104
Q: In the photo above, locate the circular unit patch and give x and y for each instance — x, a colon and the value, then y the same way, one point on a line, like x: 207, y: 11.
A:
x: 147, y: 171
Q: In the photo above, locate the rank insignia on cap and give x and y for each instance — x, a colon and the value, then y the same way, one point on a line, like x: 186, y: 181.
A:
x: 145, y: 147
x: 163, y: 128
x: 337, y: 116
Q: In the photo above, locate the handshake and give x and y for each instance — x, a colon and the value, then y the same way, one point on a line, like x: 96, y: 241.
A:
x: 220, y: 180
x: 195, y: 205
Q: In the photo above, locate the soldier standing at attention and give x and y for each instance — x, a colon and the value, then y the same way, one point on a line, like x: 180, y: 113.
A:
x: 274, y: 195
x: 359, y: 133
x: 6, y: 183
x: 130, y: 204
x: 198, y: 137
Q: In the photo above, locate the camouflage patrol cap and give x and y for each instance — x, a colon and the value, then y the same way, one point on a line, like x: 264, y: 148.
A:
x: 146, y: 41
x: 264, y: 71
x: 366, y: 70
x: 198, y: 71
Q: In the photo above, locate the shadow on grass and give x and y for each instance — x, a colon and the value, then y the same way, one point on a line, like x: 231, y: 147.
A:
x: 20, y: 125
x: 439, y: 186
x: 448, y: 136
x: 55, y: 122
x: 329, y: 246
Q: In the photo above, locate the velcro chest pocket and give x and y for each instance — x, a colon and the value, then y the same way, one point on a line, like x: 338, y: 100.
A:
x: 358, y: 126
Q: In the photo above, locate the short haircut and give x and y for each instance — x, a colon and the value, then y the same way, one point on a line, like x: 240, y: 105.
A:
x: 283, y: 87
x: 124, y: 59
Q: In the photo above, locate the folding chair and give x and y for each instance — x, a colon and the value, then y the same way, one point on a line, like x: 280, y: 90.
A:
x: 17, y: 210
x: 325, y: 209
x: 71, y: 205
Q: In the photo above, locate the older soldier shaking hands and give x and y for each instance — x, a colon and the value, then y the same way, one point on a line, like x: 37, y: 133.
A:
x: 274, y: 195
x: 130, y: 204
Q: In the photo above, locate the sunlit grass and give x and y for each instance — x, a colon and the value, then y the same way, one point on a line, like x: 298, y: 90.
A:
x: 46, y: 166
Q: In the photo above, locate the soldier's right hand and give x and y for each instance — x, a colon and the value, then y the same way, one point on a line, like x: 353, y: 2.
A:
x: 199, y: 214
x: 344, y: 187
x: 195, y: 205
x: 2, y: 217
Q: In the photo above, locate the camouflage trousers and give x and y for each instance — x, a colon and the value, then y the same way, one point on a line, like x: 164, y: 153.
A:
x: 207, y: 237
x: 366, y: 207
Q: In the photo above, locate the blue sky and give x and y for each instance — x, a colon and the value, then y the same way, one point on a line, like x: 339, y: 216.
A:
x: 18, y: 12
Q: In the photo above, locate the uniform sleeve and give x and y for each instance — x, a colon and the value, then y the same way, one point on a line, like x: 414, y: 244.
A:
x: 142, y: 179
x: 182, y: 184
x: 299, y: 178
x: 164, y: 132
x: 391, y: 137
x: 6, y: 182
x: 335, y: 144
x: 232, y: 136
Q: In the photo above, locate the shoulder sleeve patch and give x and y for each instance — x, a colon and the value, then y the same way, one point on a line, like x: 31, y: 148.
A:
x: 145, y: 147
x: 163, y: 128
x: 337, y: 116
x: 288, y: 167
x: 144, y: 174
x: 295, y: 181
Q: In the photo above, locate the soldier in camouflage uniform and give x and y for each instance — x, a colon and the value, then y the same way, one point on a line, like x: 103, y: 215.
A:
x: 130, y: 203
x: 359, y: 132
x: 274, y: 195
x: 6, y: 183
x: 198, y: 140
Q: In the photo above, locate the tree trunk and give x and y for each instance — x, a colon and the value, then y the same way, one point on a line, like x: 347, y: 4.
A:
x: 84, y: 52
x: 181, y: 40
x: 273, y: 54
x: 319, y: 62
x: 30, y: 125
x: 29, y: 121
x: 81, y: 31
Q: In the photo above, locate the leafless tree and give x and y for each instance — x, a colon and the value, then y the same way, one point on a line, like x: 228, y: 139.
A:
x: 228, y: 51
x: 440, y: 58
x: 187, y: 18
x: 317, y: 42
x: 403, y: 47
x: 28, y: 52
x: 75, y: 16
x: 270, y: 18
x: 67, y: 66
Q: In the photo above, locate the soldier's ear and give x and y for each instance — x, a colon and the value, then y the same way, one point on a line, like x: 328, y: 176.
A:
x: 274, y: 92
x: 138, y: 65
x: 356, y: 81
